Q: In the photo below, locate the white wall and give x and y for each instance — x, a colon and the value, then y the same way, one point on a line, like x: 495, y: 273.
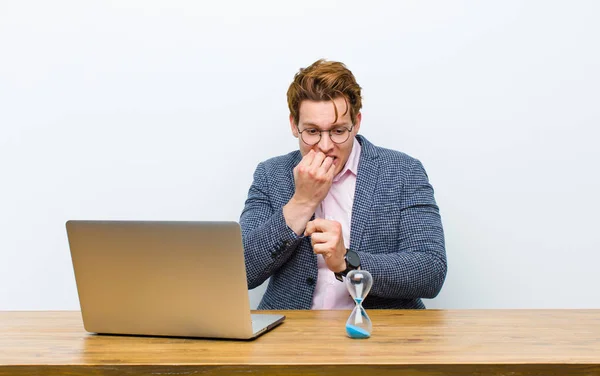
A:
x: 162, y: 109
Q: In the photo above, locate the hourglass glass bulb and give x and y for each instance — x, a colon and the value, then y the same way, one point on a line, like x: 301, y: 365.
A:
x: 359, y: 284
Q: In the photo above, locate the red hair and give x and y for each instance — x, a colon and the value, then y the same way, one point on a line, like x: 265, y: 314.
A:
x: 324, y: 81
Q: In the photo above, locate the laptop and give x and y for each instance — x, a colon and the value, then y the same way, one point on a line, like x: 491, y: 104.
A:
x: 164, y: 278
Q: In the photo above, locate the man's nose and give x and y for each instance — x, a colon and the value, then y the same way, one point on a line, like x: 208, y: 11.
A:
x: 325, y: 144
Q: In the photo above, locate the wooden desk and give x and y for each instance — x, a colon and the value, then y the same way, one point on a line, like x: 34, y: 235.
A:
x: 432, y: 342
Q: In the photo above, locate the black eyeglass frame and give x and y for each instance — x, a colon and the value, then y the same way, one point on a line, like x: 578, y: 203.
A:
x: 321, y: 134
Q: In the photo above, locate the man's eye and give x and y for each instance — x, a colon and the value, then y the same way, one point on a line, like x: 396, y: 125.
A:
x: 340, y: 131
x: 311, y: 132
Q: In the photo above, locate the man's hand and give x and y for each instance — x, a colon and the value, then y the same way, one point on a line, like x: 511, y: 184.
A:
x: 313, y: 177
x: 327, y: 240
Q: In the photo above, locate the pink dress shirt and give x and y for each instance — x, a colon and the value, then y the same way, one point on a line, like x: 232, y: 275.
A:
x: 337, y: 206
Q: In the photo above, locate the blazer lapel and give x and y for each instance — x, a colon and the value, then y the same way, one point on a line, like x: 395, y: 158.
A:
x: 366, y: 181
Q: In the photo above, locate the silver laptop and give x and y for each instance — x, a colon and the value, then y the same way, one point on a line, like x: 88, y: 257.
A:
x: 156, y: 278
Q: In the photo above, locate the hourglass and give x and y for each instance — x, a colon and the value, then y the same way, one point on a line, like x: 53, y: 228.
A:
x: 359, y: 283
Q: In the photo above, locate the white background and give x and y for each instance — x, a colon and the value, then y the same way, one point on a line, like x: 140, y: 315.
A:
x: 161, y: 110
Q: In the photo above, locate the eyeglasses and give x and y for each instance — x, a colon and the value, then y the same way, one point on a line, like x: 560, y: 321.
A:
x: 312, y: 136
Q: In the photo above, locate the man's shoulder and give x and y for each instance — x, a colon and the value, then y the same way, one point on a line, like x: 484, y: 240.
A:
x: 388, y: 157
x: 395, y: 155
x: 281, y: 163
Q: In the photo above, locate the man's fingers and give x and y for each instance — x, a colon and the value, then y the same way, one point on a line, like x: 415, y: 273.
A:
x: 310, y: 229
x: 327, y: 163
x: 323, y: 249
x: 323, y: 225
x: 319, y: 237
x: 331, y: 170
x: 317, y: 160
x: 308, y: 158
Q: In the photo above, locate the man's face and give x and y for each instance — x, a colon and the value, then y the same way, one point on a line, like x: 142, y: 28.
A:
x: 320, y: 116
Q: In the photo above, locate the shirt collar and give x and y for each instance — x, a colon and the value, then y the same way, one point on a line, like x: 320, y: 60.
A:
x: 352, y: 162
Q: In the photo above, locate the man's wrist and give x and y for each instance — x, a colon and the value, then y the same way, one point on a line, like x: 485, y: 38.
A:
x: 342, y: 267
x: 297, y: 214
x: 302, y: 205
x: 343, y: 264
x: 352, y: 262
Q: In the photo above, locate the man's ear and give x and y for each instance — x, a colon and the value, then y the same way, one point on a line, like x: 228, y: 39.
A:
x: 293, y: 126
x: 357, y: 123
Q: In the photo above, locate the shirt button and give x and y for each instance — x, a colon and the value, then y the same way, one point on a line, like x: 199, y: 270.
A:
x: 310, y: 281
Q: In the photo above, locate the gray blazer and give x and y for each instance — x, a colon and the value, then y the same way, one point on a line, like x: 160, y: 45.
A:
x: 395, y: 228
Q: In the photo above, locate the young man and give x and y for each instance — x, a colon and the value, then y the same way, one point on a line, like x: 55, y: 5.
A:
x: 340, y: 203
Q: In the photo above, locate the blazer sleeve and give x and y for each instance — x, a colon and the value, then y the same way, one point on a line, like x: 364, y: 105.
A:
x: 268, y: 241
x: 417, y: 269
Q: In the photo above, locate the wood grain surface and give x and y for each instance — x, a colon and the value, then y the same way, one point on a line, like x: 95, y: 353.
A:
x: 432, y: 342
